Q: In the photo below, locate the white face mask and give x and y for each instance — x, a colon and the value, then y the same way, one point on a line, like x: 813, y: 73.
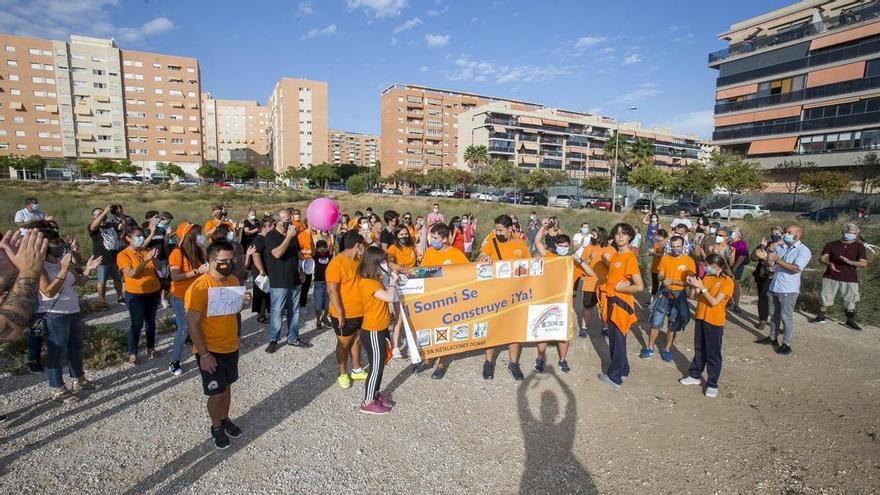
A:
x: 718, y: 239
x: 712, y: 230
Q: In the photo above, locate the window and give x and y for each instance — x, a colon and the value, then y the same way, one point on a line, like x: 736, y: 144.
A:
x: 162, y: 152
x: 19, y: 134
x: 79, y: 84
x: 157, y: 78
x: 160, y: 115
x: 13, y: 77
x: 12, y: 63
x: 34, y: 51
x: 14, y: 91
x: 78, y: 57
x: 40, y: 108
x: 872, y: 68
x: 157, y: 65
x: 10, y: 48
x: 176, y: 140
x: 191, y: 70
x: 160, y: 104
x: 158, y: 91
x: 138, y: 64
x: 787, y: 85
x: 176, y: 117
x: 45, y: 147
x: 98, y: 72
x: 21, y: 147
x: 48, y: 67
x: 38, y: 80
x: 36, y: 65
x: 44, y: 134
x: 18, y: 120
x: 194, y: 142
x: 98, y: 85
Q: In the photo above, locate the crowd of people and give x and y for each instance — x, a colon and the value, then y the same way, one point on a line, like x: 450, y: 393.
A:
x: 352, y: 274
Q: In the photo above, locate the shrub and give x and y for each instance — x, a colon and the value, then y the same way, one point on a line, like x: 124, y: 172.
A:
x: 103, y: 346
x: 357, y: 184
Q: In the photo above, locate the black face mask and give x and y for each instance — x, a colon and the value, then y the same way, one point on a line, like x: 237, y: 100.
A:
x: 403, y: 241
x: 775, y: 237
x: 56, y: 251
x: 501, y: 238
x: 225, y: 267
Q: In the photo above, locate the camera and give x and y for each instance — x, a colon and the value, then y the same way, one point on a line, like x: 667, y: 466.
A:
x: 116, y: 210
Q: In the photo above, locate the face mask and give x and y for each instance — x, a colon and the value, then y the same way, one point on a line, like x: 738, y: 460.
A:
x: 465, y: 221
x: 712, y: 230
x: 710, y: 270
x: 201, y: 240
x: 403, y: 241
x: 296, y: 218
x: 138, y: 241
x: 733, y: 235
x: 585, y: 230
x: 653, y: 219
x: 456, y: 224
x: 676, y: 251
x: 365, y: 226
x: 225, y: 267
x: 532, y: 217
x: 36, y: 206
x: 562, y: 250
x: 436, y: 244
x: 775, y: 237
x: 718, y: 239
x: 230, y: 236
x: 849, y: 237
x: 286, y: 225
x: 56, y: 251
x: 501, y: 238
x: 252, y: 217
x: 788, y: 238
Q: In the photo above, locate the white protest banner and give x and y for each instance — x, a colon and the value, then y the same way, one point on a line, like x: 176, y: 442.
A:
x: 225, y: 300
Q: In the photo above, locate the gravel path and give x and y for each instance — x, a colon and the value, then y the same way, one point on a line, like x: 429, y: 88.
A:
x: 805, y: 423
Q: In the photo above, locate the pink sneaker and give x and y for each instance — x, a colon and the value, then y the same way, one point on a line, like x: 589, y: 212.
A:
x: 375, y: 407
x: 384, y: 401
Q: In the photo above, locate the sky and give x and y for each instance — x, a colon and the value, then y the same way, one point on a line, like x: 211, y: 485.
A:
x: 582, y: 55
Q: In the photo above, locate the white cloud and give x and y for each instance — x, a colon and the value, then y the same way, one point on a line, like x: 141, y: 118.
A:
x: 481, y: 70
x: 379, y: 8
x: 700, y: 123
x: 314, y: 33
x: 57, y: 19
x: 474, y: 20
x: 305, y: 8
x: 435, y: 13
x: 585, y: 42
x: 393, y: 41
x: 423, y: 68
x: 436, y: 40
x: 641, y: 92
x: 415, y: 21
x: 632, y: 59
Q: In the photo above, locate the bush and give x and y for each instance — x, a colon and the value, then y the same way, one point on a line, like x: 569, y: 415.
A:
x: 103, y: 346
x: 357, y: 184
x: 14, y: 357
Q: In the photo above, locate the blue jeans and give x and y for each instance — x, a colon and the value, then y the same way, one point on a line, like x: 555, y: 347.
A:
x: 320, y: 298
x: 284, y: 301
x: 64, y: 334
x: 182, y: 331
x: 141, y: 309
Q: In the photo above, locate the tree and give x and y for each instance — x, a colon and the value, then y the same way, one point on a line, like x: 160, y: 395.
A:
x: 99, y: 166
x: 499, y: 174
x: 648, y: 177
x: 438, y: 178
x: 694, y: 178
x: 346, y: 170
x: 125, y: 166
x: 827, y: 184
x: 867, y: 171
x: 791, y: 172
x: 56, y: 163
x: 321, y: 174
x: 266, y: 174
x: 731, y: 172
x: 542, y: 179
x: 640, y: 152
x: 407, y: 177
x: 461, y: 178
x: 239, y: 171
x: 209, y: 172
x: 600, y: 184
x: 357, y: 184
x: 611, y: 145
x: 171, y: 170
x: 476, y: 156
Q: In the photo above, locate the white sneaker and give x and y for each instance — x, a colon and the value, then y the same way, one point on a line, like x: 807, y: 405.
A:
x: 165, y: 305
x: 395, y: 353
x: 689, y: 381
x: 711, y: 392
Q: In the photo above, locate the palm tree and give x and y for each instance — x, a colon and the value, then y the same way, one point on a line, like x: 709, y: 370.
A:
x: 476, y: 155
x: 641, y: 152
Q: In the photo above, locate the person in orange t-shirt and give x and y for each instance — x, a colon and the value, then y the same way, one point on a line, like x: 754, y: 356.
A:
x: 714, y: 290
x: 306, y: 245
x: 616, y: 301
x: 401, y: 254
x: 374, y: 328
x: 215, y: 339
x: 592, y: 256
x: 185, y: 263
x: 670, y: 302
x: 141, y: 287
x: 346, y: 307
x: 218, y: 216
x: 504, y: 246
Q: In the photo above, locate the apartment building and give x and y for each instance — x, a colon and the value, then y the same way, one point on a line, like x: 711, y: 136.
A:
x: 353, y: 147
x: 554, y: 139
x: 86, y: 99
x: 297, y: 124
x: 801, y: 83
x: 237, y: 130
x: 419, y: 125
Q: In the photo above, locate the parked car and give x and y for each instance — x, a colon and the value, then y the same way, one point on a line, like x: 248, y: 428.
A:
x: 829, y: 214
x: 691, y: 207
x: 188, y: 183
x: 587, y: 201
x: 744, y: 211
x: 511, y: 197
x: 240, y: 185
x: 534, y: 198
x: 425, y: 191
x: 393, y: 191
x: 222, y: 185
x: 644, y: 205
x: 461, y: 194
x: 561, y: 201
x: 602, y: 204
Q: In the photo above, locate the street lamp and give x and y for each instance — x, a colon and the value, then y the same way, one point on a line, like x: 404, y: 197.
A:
x: 614, y: 168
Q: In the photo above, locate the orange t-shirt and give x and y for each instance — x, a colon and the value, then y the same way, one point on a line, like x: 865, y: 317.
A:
x: 622, y: 266
x: 305, y: 243
x: 220, y: 333
x: 213, y: 223
x: 512, y: 249
x: 412, y: 232
x: 147, y: 282
x: 451, y: 256
x: 179, y: 287
x: 343, y: 271
x: 376, y: 314
x: 676, y: 268
x: 578, y: 271
x: 715, y: 285
x: 403, y: 256
x: 598, y: 266
x: 655, y: 260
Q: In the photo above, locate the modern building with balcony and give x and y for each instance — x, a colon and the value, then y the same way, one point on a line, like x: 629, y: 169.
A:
x: 801, y: 83
x: 554, y: 139
x: 353, y: 147
x: 297, y: 124
x: 241, y: 131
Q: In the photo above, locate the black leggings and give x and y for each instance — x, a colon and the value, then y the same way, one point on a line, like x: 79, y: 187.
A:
x: 304, y: 291
x: 655, y: 283
x: 374, y: 343
x: 763, y: 298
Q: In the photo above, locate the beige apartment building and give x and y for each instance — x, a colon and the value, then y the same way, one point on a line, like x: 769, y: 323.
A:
x: 353, y: 147
x: 419, y: 125
x: 297, y: 124
x: 86, y: 99
x: 554, y: 139
x: 235, y: 131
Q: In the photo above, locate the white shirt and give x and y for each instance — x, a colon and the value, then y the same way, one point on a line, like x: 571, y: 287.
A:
x: 66, y: 302
x: 577, y: 239
x: 25, y: 216
x: 681, y: 221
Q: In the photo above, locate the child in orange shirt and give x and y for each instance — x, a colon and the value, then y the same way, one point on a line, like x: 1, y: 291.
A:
x: 592, y: 255
x: 655, y: 251
x: 400, y: 254
x: 374, y: 328
x: 714, y: 290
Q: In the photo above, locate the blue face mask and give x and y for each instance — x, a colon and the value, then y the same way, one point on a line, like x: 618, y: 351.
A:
x: 230, y: 236
x: 138, y: 241
x: 849, y: 237
x: 36, y: 206
x: 788, y: 238
x: 585, y: 230
x: 710, y: 270
x: 436, y: 244
x: 676, y: 251
x: 562, y: 250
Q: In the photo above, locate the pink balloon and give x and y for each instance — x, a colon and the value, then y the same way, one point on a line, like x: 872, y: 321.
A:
x: 322, y: 214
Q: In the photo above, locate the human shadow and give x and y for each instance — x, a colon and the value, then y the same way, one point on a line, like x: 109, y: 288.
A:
x: 550, y: 463
x: 265, y: 416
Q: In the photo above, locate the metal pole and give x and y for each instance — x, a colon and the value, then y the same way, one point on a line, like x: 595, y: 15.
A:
x: 614, y: 168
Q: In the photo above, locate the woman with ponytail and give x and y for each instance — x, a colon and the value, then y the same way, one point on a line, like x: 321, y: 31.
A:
x: 185, y: 263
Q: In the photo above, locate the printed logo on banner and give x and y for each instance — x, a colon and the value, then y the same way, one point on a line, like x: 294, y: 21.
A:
x: 481, y: 330
x: 547, y: 322
x: 459, y: 333
x: 423, y: 338
x: 520, y: 268
x: 484, y: 271
x: 441, y: 335
x: 502, y: 269
x: 537, y: 268
x: 412, y: 286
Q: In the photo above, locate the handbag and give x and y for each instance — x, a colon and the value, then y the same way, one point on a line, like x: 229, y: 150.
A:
x: 40, y: 327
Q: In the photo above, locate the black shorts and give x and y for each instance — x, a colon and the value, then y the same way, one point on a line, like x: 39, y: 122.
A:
x: 590, y: 299
x: 352, y: 326
x: 225, y: 375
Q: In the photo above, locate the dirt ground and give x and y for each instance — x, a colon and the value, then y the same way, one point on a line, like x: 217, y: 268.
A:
x: 804, y: 423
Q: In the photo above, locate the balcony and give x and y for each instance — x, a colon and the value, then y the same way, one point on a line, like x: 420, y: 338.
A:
x: 551, y: 141
x: 840, y: 88
x: 846, y: 18
x: 532, y: 138
x: 495, y: 120
x: 557, y: 154
x: 551, y: 163
x: 501, y: 149
x: 576, y: 142
x: 799, y: 126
